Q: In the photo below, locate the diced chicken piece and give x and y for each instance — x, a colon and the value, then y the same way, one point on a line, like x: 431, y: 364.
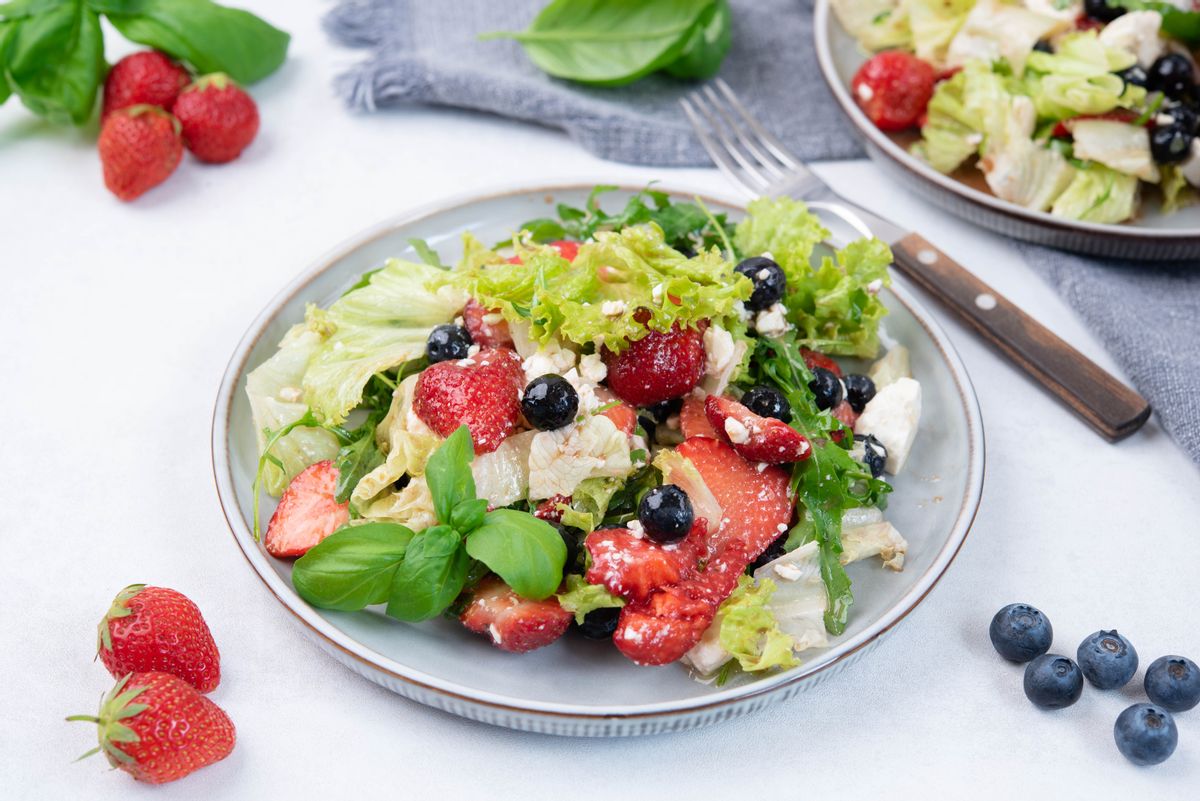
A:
x: 1119, y: 145
x: 892, y: 417
x: 1136, y: 32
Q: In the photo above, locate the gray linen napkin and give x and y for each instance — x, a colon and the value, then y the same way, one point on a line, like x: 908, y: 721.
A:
x: 426, y: 51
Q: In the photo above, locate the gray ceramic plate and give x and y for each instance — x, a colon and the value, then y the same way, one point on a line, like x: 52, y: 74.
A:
x: 1154, y: 236
x: 580, y: 687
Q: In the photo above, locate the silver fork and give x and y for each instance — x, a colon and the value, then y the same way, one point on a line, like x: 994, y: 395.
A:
x: 759, y: 163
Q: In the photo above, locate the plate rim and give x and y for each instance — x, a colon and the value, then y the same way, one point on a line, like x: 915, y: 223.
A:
x: 371, y: 662
x: 823, y: 19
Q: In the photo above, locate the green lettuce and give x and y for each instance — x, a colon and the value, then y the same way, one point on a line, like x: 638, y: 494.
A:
x: 589, y: 502
x: 1176, y: 191
x: 933, y: 24
x: 371, y: 329
x: 595, y: 298
x: 784, y: 228
x: 1098, y: 194
x: 580, y: 597
x: 749, y: 630
x: 962, y: 113
x: 834, y: 307
x: 1078, y: 78
x: 276, y: 400
x: 876, y: 24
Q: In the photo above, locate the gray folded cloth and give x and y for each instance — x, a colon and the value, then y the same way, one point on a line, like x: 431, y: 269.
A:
x: 428, y: 52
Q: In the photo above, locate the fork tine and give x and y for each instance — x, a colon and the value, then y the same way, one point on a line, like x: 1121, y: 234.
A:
x: 718, y: 154
x: 768, y: 139
x: 749, y: 168
x: 739, y: 133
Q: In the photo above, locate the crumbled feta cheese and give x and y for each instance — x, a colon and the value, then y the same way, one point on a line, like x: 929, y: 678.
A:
x: 865, y: 92
x: 874, y: 287
x: 788, y: 571
x: 672, y: 422
x: 551, y: 357
x: 471, y: 351
x: 635, y: 528
x: 772, y: 322
x: 291, y: 394
x: 763, y: 274
x: 586, y: 390
x: 492, y: 318
x: 612, y: 308
x: 737, y: 432
x: 721, y: 357
x: 592, y: 368
x: 742, y: 312
x: 459, y: 321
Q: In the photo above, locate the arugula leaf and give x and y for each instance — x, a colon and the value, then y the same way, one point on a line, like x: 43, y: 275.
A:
x: 211, y: 37
x: 357, y: 458
x: 526, y: 552
x: 448, y: 473
x: 353, y: 567
x: 433, y: 573
x: 616, y: 42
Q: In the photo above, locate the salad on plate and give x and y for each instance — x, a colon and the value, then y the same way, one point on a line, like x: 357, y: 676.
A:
x: 633, y: 424
x: 1062, y: 106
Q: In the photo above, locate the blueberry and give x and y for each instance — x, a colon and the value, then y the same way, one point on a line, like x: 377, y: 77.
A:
x: 1172, y: 75
x: 666, y: 514
x: 1173, y: 682
x: 769, y: 282
x: 1043, y: 46
x: 1053, y: 682
x: 1185, y: 116
x: 1135, y: 76
x: 859, y: 391
x: 1146, y: 734
x: 447, y: 342
x: 768, y: 402
x: 1101, y: 10
x: 871, y: 452
x: 1107, y: 659
x: 599, y: 624
x: 571, y: 538
x: 549, y: 402
x: 1171, y: 144
x: 649, y: 425
x: 827, y: 387
x: 1020, y: 632
x: 773, y: 552
x: 663, y: 409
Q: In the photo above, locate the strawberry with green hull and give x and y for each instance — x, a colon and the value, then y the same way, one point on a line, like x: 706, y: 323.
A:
x: 140, y: 147
x: 158, y: 629
x: 219, y: 119
x: 147, y: 78
x: 157, y: 728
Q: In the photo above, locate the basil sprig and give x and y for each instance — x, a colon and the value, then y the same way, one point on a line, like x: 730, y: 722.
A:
x: 616, y: 42
x: 419, y: 575
x: 52, y: 51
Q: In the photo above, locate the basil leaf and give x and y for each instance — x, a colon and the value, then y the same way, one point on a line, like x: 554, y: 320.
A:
x: 211, y: 37
x: 468, y: 515
x: 353, y: 567
x: 431, y: 577
x: 448, y: 473
x: 706, y: 47
x: 608, y: 42
x: 357, y: 459
x: 526, y: 552
x: 53, y: 58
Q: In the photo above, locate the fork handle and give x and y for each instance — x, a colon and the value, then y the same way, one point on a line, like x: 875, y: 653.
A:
x: 1111, y: 408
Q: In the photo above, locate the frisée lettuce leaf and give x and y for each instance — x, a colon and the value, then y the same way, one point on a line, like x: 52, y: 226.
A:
x: 580, y: 597
x: 749, y: 630
x: 1099, y: 194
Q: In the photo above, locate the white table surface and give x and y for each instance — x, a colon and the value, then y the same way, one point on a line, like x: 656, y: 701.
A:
x: 118, y: 323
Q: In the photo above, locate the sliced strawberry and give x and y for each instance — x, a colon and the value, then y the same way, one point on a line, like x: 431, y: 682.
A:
x: 565, y: 247
x: 657, y: 367
x: 623, y: 415
x: 548, y: 509
x: 1064, y: 127
x: 483, y: 392
x: 845, y: 413
x: 514, y: 623
x: 761, y: 439
x: 692, y: 419
x: 813, y: 359
x: 632, y: 566
x: 485, y: 334
x: 307, y: 512
x: 755, y: 500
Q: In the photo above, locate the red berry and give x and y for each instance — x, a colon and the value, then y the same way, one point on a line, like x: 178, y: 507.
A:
x: 154, y: 628
x: 813, y: 359
x: 482, y: 392
x: 893, y: 88
x: 150, y: 78
x: 157, y: 728
x: 307, y: 513
x: 219, y: 119
x: 760, y: 439
x: 514, y: 623
x: 548, y: 509
x: 693, y: 422
x: 623, y: 416
x: 633, y: 566
x: 485, y: 334
x: 139, y: 149
x: 659, y: 366
x: 845, y: 413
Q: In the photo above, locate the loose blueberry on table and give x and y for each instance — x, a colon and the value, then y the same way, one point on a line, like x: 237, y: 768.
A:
x: 1053, y: 682
x: 1173, y: 682
x: 1107, y: 659
x: 1146, y: 734
x: 1020, y: 632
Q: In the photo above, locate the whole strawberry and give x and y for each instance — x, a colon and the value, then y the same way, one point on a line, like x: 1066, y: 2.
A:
x: 149, y: 77
x: 139, y: 147
x: 219, y: 119
x: 153, y: 628
x: 157, y: 728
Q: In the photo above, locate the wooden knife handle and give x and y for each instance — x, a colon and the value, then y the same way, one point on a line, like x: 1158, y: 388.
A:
x: 1107, y: 405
